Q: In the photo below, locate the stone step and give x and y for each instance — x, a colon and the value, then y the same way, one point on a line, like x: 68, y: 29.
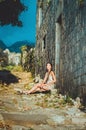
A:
x: 25, y: 118
x: 24, y: 121
x: 17, y: 127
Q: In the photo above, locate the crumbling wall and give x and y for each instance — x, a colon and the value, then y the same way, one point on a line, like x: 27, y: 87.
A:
x: 73, y: 48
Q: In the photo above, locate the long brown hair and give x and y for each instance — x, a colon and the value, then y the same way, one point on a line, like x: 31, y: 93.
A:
x: 48, y: 73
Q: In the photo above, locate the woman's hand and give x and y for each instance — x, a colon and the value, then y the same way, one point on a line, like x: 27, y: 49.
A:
x: 42, y: 85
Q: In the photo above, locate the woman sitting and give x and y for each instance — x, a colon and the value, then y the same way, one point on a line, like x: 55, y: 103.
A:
x: 47, y: 84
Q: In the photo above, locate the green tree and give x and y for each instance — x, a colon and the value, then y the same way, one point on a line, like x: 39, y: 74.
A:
x: 28, y: 58
x: 10, y: 11
x: 3, y: 58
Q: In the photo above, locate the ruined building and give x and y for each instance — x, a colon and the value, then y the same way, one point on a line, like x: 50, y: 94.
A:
x: 61, y: 40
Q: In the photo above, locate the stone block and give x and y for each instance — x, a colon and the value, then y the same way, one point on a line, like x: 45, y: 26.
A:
x: 79, y: 121
x: 55, y: 120
x: 53, y: 91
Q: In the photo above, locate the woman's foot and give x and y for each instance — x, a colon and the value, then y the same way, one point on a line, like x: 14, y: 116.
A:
x: 26, y: 92
x: 23, y: 92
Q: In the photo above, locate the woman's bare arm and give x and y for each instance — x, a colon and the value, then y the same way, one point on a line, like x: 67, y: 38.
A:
x: 54, y: 77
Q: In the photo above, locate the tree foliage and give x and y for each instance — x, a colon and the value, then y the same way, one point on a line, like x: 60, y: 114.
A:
x: 10, y: 11
x: 3, y: 58
x: 28, y: 58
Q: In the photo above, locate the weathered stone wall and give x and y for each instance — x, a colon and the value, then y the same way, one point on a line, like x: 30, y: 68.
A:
x: 73, y: 48
x: 71, y: 16
x: 47, y: 31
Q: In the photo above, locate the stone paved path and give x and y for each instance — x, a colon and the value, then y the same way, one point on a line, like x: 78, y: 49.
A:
x: 40, y: 111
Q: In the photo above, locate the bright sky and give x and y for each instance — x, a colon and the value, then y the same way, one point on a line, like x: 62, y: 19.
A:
x: 11, y: 34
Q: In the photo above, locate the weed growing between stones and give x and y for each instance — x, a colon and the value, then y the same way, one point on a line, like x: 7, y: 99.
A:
x: 54, y: 101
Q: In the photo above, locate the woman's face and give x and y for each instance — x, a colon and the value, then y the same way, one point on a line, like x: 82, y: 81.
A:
x: 49, y: 67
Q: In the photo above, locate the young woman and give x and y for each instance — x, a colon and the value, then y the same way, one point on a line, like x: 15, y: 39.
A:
x: 47, y: 84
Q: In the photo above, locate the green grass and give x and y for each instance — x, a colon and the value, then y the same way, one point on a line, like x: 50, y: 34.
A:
x: 12, y: 68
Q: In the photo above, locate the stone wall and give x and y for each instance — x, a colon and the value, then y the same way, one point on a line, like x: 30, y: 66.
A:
x: 45, y: 45
x: 71, y: 16
x: 73, y: 48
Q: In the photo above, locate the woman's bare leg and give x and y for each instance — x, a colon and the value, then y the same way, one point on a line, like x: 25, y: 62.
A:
x: 45, y: 88
x: 34, y: 89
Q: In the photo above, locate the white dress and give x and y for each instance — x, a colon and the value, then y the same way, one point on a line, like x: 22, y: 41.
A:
x: 50, y: 79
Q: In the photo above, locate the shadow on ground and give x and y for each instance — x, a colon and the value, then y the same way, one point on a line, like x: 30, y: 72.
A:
x: 6, y: 77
